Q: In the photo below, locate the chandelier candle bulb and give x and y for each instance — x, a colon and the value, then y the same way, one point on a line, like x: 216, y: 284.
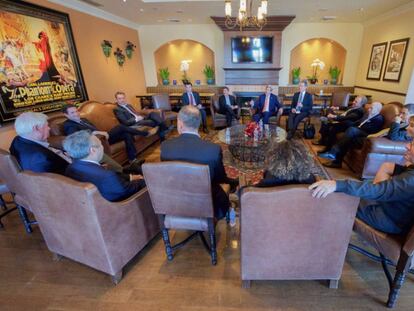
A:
x: 227, y: 8
x: 242, y: 6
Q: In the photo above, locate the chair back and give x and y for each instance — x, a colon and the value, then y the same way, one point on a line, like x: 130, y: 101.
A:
x: 101, y: 115
x: 286, y: 234
x: 340, y: 99
x: 179, y: 188
x: 10, y: 172
x: 161, y: 101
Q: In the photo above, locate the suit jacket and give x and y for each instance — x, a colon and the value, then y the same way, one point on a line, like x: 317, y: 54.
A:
x: 37, y: 158
x: 70, y: 127
x: 124, y: 116
x: 307, y: 102
x: 274, y: 104
x: 112, y: 186
x: 269, y: 180
x: 185, y: 100
x: 373, y: 125
x: 351, y: 115
x: 223, y: 104
x: 398, y: 132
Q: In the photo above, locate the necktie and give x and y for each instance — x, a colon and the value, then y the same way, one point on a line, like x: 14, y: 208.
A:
x: 61, y: 154
x: 192, y: 100
x: 266, y: 104
x: 300, y: 98
x: 227, y: 97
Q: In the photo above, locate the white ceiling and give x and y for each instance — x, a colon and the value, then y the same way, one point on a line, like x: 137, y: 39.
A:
x: 149, y: 12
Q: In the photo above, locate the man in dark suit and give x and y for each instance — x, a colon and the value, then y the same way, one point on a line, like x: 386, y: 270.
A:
x: 130, y: 117
x: 228, y: 106
x: 75, y: 123
x: 267, y: 105
x: 31, y: 148
x: 87, y: 151
x: 355, y: 136
x: 193, y: 99
x: 301, y: 108
x: 337, y: 123
x: 387, y: 201
x: 190, y: 147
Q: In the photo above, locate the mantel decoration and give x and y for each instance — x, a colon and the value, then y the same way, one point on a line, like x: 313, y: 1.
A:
x: 120, y: 57
x: 106, y: 47
x: 209, y: 73
x: 317, y: 63
x: 245, y: 16
x: 184, y: 67
x: 130, y: 47
x: 165, y: 75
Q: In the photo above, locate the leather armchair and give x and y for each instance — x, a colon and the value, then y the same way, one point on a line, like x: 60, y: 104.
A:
x: 4, y: 190
x: 219, y: 120
x: 286, y: 234
x: 162, y: 103
x: 340, y: 99
x: 81, y: 225
x: 179, y: 206
x: 397, y: 250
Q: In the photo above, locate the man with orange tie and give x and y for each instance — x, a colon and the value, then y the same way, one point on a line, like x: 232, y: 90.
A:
x: 267, y: 105
x: 193, y: 98
x: 301, y: 107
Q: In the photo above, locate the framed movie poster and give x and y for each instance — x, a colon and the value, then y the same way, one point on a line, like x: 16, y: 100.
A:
x: 395, y: 60
x: 376, y: 61
x: 39, y: 66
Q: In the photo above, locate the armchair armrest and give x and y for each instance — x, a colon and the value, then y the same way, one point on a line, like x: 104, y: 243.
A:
x: 384, y: 145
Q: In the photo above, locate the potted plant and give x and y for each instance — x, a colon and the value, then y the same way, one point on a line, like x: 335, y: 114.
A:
x: 106, y: 46
x: 334, y: 72
x: 209, y: 73
x: 130, y: 47
x: 296, y: 75
x: 317, y: 63
x: 165, y: 75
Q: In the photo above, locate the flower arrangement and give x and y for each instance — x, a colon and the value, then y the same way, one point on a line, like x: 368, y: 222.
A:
x: 250, y: 128
x: 130, y: 47
x: 120, y: 57
x: 184, y: 67
x: 317, y: 63
x: 106, y: 46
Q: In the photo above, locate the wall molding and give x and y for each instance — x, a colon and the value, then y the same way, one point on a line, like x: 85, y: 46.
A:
x: 379, y: 90
x: 90, y: 10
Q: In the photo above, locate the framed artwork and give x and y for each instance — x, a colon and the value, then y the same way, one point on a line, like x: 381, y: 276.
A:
x: 39, y: 66
x: 395, y: 60
x: 376, y: 61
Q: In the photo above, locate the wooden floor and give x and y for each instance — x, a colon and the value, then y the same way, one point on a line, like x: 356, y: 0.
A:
x: 31, y: 280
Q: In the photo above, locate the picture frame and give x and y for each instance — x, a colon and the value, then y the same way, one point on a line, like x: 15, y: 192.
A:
x: 395, y: 60
x: 39, y: 63
x: 376, y: 61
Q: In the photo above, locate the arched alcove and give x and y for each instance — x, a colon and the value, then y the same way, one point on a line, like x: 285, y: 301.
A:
x: 172, y: 53
x: 329, y: 51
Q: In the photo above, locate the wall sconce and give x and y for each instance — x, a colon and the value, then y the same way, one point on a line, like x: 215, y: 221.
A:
x: 130, y: 47
x: 106, y: 47
x: 120, y: 57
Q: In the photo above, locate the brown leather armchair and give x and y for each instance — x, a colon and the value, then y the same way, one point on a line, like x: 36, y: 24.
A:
x: 78, y: 223
x: 11, y: 174
x: 396, y: 250
x: 181, y: 195
x: 219, y: 120
x: 340, y: 99
x: 6, y: 210
x: 162, y: 102
x: 286, y: 234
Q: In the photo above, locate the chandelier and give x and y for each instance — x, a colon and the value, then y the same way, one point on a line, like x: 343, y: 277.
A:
x: 245, y: 17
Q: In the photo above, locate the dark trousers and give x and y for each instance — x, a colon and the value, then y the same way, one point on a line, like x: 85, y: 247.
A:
x: 294, y: 120
x: 374, y: 216
x: 229, y: 113
x: 265, y: 116
x: 221, y: 201
x: 126, y: 134
x: 153, y: 120
x: 354, y: 138
x: 329, y: 130
x: 203, y: 117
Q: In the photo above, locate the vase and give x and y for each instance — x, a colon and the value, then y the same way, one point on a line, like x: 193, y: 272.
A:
x: 313, y: 81
x: 165, y: 81
x: 210, y: 81
x: 106, y: 50
x: 296, y: 80
x: 128, y: 53
x: 120, y: 60
x: 334, y: 81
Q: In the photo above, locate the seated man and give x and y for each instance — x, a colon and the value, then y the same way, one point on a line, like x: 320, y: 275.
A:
x: 190, y: 147
x: 301, y: 108
x: 30, y: 146
x: 87, y: 151
x: 128, y: 116
x: 193, y: 99
x: 387, y: 202
x: 355, y: 136
x: 228, y: 106
x: 75, y: 123
x: 336, y: 123
x: 267, y: 105
x: 402, y: 128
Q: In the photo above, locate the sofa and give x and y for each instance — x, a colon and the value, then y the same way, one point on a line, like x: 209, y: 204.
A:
x: 102, y: 116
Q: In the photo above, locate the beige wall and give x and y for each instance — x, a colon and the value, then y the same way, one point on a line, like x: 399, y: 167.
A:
x: 171, y: 54
x: 102, y: 76
x: 328, y: 51
x: 394, y: 28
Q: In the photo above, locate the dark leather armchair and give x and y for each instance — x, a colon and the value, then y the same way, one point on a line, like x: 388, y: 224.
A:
x: 286, y: 234
x: 397, y: 250
x: 181, y: 196
x: 78, y: 223
x: 162, y: 102
x: 219, y: 120
x: 340, y: 99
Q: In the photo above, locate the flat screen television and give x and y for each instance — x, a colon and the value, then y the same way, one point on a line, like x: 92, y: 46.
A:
x: 257, y: 50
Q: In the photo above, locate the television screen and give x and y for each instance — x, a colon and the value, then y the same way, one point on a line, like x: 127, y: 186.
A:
x: 251, y: 49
